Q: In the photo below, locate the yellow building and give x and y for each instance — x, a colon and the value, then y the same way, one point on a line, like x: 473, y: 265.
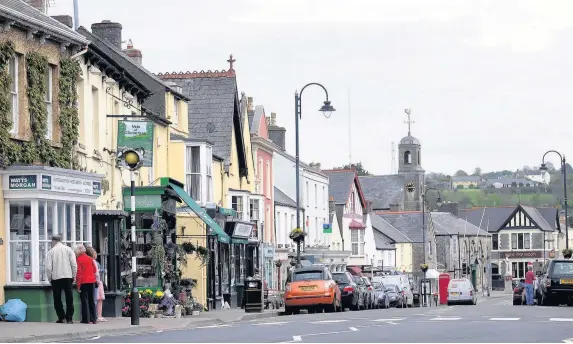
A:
x: 466, y: 182
x: 38, y: 177
x: 218, y: 175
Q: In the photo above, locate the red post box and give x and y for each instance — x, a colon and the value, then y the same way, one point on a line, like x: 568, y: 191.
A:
x: 443, y: 282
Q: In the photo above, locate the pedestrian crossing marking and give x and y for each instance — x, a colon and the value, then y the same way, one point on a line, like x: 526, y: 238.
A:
x: 561, y: 319
x: 389, y: 319
x: 327, y: 321
x: 504, y: 319
x: 273, y: 323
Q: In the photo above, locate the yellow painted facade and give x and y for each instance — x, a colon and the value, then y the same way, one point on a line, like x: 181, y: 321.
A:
x: 404, y: 256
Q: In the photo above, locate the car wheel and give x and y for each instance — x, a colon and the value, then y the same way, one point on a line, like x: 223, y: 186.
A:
x: 516, y: 302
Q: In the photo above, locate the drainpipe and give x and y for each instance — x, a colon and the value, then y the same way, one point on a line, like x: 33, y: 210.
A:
x: 459, y: 258
x: 222, y: 181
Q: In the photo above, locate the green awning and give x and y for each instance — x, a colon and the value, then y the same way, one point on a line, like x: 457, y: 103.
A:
x: 227, y: 212
x: 239, y: 241
x: 221, y: 235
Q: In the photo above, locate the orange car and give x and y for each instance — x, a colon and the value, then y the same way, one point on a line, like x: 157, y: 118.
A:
x: 312, y: 288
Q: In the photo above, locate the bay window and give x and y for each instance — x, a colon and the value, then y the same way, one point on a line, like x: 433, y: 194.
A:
x: 32, y: 225
x: 237, y: 205
x: 198, y: 172
x: 254, y: 209
x: 14, y: 104
x: 357, y: 241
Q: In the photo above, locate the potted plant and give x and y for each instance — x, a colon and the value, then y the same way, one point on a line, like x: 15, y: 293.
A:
x: 188, y: 247
x: 297, y: 235
x: 567, y: 252
x: 424, y: 267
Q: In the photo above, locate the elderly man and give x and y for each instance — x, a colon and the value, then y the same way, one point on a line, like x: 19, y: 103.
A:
x: 61, y: 269
x: 85, y: 282
x: 529, y: 278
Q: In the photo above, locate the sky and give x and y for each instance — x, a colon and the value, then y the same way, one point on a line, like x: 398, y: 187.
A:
x: 488, y: 82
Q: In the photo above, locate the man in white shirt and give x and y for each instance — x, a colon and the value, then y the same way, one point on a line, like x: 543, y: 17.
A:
x: 61, y: 270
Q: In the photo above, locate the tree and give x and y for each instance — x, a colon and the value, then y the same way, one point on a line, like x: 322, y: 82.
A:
x: 477, y: 171
x: 461, y: 173
x: 359, y: 169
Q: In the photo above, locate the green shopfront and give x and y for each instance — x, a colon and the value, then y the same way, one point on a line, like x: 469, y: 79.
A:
x: 39, y: 202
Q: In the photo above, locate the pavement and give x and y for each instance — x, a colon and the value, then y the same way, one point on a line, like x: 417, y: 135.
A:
x: 27, y: 332
x: 492, y: 320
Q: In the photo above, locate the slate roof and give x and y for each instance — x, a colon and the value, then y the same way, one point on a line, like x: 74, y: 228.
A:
x: 382, y: 242
x: 383, y: 190
x: 466, y: 179
x: 508, y: 181
x: 211, y: 109
x: 381, y: 225
x: 339, y: 184
x: 255, y: 120
x: 156, y: 102
x: 448, y: 224
x: 409, y: 223
x: 282, y: 199
x: 21, y: 12
x: 544, y: 217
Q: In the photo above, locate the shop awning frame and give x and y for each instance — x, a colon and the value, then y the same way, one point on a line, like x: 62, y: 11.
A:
x: 196, y: 208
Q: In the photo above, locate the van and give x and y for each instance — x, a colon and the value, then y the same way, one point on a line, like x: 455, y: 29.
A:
x: 461, y: 291
x: 402, y: 282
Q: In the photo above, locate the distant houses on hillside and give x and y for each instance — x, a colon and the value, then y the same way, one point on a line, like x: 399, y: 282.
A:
x: 519, y: 181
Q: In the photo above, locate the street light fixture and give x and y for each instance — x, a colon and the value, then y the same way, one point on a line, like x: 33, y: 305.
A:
x: 326, y: 110
x: 564, y: 172
x: 438, y: 203
x: 133, y: 159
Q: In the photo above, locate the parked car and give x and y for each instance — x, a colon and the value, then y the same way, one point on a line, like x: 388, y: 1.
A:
x: 363, y: 289
x: 519, y: 293
x: 403, y: 282
x: 557, y: 283
x: 382, y: 300
x: 395, y: 295
x: 312, y: 288
x: 370, y: 292
x: 351, y: 295
x: 461, y: 291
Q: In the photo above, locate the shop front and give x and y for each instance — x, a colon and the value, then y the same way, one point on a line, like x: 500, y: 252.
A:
x: 242, y: 260
x: 40, y: 202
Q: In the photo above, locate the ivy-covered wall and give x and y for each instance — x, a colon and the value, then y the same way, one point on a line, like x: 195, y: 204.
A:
x: 39, y: 149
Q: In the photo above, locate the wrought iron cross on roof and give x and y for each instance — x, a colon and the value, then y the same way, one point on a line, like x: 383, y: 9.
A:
x: 409, y: 121
x: 231, y: 60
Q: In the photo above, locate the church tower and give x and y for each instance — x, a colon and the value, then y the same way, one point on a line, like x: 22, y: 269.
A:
x: 410, y: 166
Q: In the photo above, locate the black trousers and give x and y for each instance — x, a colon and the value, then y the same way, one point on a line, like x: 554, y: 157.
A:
x: 65, y: 285
x: 88, y: 303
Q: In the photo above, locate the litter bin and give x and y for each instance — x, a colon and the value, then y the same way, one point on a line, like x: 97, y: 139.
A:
x: 240, y: 295
x: 253, y: 295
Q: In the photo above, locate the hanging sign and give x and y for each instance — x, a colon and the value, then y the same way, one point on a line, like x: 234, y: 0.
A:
x: 136, y: 135
x: 242, y: 230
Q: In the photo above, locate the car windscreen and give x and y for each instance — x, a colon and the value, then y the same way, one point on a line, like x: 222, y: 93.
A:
x: 307, y: 276
x: 341, y: 279
x: 563, y: 268
x: 390, y: 288
x: 358, y: 280
x: 378, y: 286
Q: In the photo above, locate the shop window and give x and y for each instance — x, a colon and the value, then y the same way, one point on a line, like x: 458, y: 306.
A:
x: 518, y: 269
x: 46, y: 214
x: 20, y: 241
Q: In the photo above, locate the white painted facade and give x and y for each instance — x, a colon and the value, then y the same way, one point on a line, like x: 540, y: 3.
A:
x: 385, y: 259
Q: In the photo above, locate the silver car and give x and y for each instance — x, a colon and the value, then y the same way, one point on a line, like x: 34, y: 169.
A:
x: 461, y: 291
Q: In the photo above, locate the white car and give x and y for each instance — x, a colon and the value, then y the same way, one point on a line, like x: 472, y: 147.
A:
x: 461, y: 291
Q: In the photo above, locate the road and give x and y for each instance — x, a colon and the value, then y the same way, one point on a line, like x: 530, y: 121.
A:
x: 491, y: 320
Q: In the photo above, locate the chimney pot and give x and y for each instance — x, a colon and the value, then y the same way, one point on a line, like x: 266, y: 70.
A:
x: 250, y: 103
x: 109, y: 32
x: 273, y: 118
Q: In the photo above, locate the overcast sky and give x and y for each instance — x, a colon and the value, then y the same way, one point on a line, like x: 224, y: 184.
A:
x: 489, y: 83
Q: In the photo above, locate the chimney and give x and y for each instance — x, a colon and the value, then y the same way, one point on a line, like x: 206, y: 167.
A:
x: 40, y: 5
x: 451, y: 207
x: 66, y: 20
x: 109, y: 32
x: 317, y: 165
x: 134, y: 54
x: 394, y: 207
x: 277, y: 135
x: 331, y: 207
x: 273, y: 118
x: 249, y: 103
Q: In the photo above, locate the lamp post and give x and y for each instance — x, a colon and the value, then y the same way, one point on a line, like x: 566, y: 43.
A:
x: 132, y: 159
x: 327, y: 110
x: 564, y: 172
x: 438, y: 203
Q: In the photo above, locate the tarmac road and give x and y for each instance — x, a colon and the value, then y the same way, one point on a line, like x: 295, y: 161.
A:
x: 491, y: 320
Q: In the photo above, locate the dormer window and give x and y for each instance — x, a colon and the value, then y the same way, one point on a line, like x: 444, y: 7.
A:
x: 407, y: 157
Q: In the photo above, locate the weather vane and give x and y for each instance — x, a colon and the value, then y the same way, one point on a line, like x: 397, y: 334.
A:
x: 409, y: 121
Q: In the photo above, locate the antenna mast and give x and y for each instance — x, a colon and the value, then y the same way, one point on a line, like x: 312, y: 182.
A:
x: 393, y: 164
x: 349, y: 131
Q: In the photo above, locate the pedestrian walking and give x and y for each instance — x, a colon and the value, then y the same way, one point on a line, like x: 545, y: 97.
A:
x: 529, y: 278
x: 61, y: 270
x: 99, y: 294
x: 85, y: 282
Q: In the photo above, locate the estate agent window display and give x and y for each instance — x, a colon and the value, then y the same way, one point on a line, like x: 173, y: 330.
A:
x: 32, y: 224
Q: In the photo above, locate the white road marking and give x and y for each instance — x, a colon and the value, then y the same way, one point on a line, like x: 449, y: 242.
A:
x: 159, y: 331
x: 504, y: 319
x: 296, y: 339
x: 560, y: 319
x: 353, y: 329
x: 389, y: 319
x: 392, y: 323
x: 213, y: 326
x: 569, y: 340
x: 95, y: 338
x: 441, y: 319
x: 273, y: 323
x: 327, y: 321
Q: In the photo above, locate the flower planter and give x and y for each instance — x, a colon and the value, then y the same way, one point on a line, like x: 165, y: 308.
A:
x: 567, y: 256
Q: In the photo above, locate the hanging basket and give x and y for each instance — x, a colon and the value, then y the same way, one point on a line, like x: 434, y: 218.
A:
x: 424, y: 267
x: 297, y: 235
x: 567, y: 253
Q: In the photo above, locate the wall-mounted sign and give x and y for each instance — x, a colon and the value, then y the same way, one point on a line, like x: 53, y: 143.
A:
x: 269, y: 252
x: 136, y: 135
x: 72, y: 185
x: 46, y: 182
x: 242, y: 230
x: 521, y: 254
x: 327, y: 228
x: 146, y: 202
x: 23, y: 182
x: 97, y: 188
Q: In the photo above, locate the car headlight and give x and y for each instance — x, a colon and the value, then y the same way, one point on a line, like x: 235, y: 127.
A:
x: 287, y: 287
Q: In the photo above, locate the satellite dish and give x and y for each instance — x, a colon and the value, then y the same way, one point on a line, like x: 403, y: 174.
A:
x: 210, y: 127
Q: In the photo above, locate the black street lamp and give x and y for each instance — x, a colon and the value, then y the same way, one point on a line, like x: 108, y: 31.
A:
x: 327, y: 110
x: 564, y: 172
x: 438, y: 203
